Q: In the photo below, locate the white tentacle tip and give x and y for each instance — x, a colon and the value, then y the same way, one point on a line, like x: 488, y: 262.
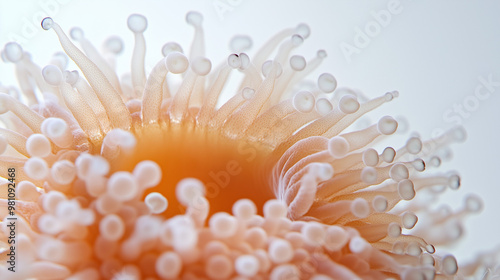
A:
x: 47, y: 23
x: 137, y: 23
x: 188, y: 190
x: 321, y: 54
x: 234, y: 61
x: 459, y: 134
x: 76, y: 33
x: 327, y: 83
x: 298, y: 63
x: 360, y: 208
x: 37, y: 145
x: 13, y: 52
x: 201, y: 66
x: 171, y: 47
x: 449, y: 265
x: 248, y: 93
x: 338, y: 146
x: 380, y: 203
x: 303, y: 30
x: 245, y: 61
x: 348, y: 104
x: 387, y: 125
x: 240, y: 43
x: 323, y: 106
x: 176, y: 62
x: 369, y: 175
x: 156, y: 202
x: 52, y: 75
x: 297, y: 40
x: 36, y: 168
x: 71, y: 77
x: 304, y: 101
x: 473, y: 204
x: 114, y: 44
x: 194, y: 18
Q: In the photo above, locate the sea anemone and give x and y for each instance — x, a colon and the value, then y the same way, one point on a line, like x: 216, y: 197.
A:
x: 151, y: 177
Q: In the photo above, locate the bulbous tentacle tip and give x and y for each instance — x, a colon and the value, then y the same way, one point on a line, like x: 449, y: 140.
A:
x: 76, y: 33
x: 327, y: 83
x: 338, y: 147
x: 322, y: 171
x: 177, y: 62
x: 298, y: 62
x: 360, y: 208
x: 369, y: 176
x: 459, y: 134
x: 413, y: 145
x: 388, y: 154
x: 406, y: 189
x: 370, y: 157
x: 234, y: 61
x: 194, y: 18
x: 399, y: 172
x: 248, y: 93
x: 240, y: 43
x: 47, y: 23
x: 449, y: 264
x: 454, y: 181
x: 171, y: 47
x: 394, y: 230
x: 188, y: 190
x: 323, y: 106
x: 297, y: 40
x: 389, y: 96
x: 52, y: 75
x: 430, y: 249
x: 473, y: 203
x: 380, y: 203
x: 321, y: 54
x: 245, y: 61
x: 114, y: 44
x: 275, y: 209
x: 201, y: 66
x: 387, y: 125
x: 71, y: 77
x: 13, y: 52
x: 156, y: 202
x: 348, y: 104
x: 137, y: 23
x: 303, y: 30
x: 304, y: 101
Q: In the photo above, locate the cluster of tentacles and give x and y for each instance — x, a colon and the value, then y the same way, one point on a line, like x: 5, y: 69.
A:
x: 147, y: 178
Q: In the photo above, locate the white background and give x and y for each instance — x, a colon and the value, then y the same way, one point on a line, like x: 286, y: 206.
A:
x: 432, y: 52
